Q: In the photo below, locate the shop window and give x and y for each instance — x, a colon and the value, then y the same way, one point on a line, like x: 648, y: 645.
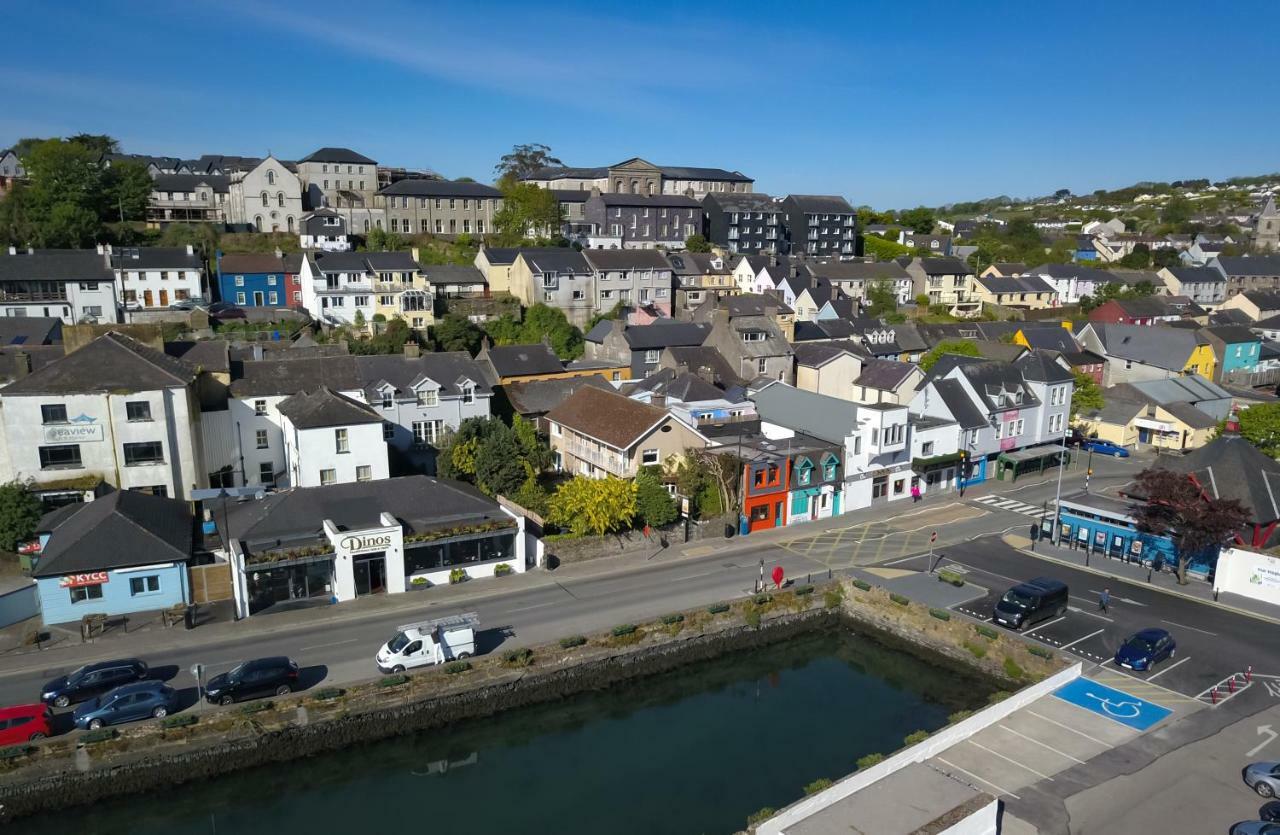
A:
x: 760, y: 513
x: 85, y: 593
x: 144, y: 585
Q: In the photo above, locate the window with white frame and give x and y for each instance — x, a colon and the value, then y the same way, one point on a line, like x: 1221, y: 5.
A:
x: 425, y: 432
x: 651, y: 357
x: 468, y: 393
x: 260, y: 407
x: 364, y: 472
x: 341, y: 441
x: 328, y: 477
x: 388, y: 430
x: 261, y: 439
x: 429, y: 397
x: 648, y: 456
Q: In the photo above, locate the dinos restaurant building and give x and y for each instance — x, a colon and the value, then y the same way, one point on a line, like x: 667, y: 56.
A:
x: 321, y: 545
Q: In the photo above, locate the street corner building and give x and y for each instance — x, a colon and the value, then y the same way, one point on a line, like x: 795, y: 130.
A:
x: 122, y: 553
x: 321, y: 545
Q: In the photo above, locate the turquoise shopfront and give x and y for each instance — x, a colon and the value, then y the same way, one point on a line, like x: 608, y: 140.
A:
x: 1105, y: 525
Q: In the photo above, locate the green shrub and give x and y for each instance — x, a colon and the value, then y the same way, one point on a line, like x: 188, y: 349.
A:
x: 762, y: 599
x: 1011, y: 668
x: 832, y: 598
x: 455, y: 667
x: 718, y: 608
x: 862, y: 584
x: 986, y: 631
x: 761, y: 816
x: 752, y: 617
x: 804, y: 591
x: 623, y: 629
x: 1040, y: 651
x: 950, y: 577
x: 671, y: 620
x: 978, y: 650
x: 100, y: 735
x: 328, y: 694
x: 256, y: 707
x: 899, y: 599
x: 457, y: 575
x: 940, y: 614
x: 183, y: 720
x: 393, y: 681
x: 818, y: 785
x: 915, y: 737
x: 502, y: 569
x: 959, y: 716
x: 522, y: 657
x: 15, y: 751
x: 998, y: 696
x: 869, y: 760
x: 420, y: 581
x: 572, y: 641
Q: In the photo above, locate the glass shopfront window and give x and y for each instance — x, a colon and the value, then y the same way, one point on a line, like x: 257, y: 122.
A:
x: 422, y: 558
x: 290, y: 583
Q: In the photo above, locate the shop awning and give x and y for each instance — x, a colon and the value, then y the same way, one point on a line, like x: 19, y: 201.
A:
x: 933, y: 462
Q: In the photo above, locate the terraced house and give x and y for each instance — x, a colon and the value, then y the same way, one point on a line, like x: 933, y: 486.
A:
x: 638, y: 176
x: 635, y: 221
x: 440, y: 207
x: 352, y: 287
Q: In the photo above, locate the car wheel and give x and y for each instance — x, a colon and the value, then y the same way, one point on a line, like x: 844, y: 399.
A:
x: 399, y: 668
x: 61, y: 701
x: 225, y: 700
x: 284, y: 690
x: 1172, y: 653
x: 1264, y: 789
x: 464, y: 655
x: 36, y: 735
x: 160, y: 712
x: 94, y: 724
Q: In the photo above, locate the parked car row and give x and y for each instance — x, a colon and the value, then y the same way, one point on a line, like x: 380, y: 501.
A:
x: 122, y: 690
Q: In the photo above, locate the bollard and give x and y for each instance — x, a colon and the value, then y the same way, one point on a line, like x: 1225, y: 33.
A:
x: 1213, y: 694
x: 1231, y: 684
x: 1148, y: 575
x: 1248, y: 673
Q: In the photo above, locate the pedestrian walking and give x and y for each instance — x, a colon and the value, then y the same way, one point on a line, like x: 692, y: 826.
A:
x: 1104, y: 600
x: 915, y: 493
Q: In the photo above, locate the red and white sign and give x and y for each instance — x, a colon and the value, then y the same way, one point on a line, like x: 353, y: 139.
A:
x: 32, y: 547
x: 75, y: 581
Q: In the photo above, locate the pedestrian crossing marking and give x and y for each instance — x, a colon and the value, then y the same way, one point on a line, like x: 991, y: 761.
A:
x: 1011, y: 505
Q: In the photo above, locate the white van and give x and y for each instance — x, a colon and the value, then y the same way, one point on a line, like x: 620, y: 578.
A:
x: 429, y: 642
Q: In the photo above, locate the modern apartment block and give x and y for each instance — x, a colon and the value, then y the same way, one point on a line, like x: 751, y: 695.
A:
x: 745, y: 223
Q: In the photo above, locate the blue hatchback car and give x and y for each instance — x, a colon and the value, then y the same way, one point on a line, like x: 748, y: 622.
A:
x: 142, y: 700
x: 1104, y: 448
x: 1143, y: 650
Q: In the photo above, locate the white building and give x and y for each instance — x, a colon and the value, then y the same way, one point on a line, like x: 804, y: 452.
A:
x: 114, y: 410
x: 344, y: 287
x: 325, y: 230
x: 331, y: 439
x: 152, y: 278
x: 74, y: 285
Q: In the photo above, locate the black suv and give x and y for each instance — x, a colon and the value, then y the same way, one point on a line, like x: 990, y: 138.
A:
x: 252, y: 680
x: 92, y: 680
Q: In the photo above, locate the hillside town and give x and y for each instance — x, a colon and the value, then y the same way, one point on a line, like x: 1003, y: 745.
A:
x: 244, y: 389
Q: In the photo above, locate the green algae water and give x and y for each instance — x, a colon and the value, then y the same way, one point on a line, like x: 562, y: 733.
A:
x: 696, y: 750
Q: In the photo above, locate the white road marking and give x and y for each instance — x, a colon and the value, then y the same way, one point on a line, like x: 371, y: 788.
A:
x: 1080, y: 611
x: 971, y: 775
x: 1192, y: 628
x: 1042, y: 745
x: 332, y: 644
x: 1043, y: 625
x: 1069, y: 728
x: 1085, y: 638
x: 1167, y: 669
x: 536, y: 606
x: 1009, y: 759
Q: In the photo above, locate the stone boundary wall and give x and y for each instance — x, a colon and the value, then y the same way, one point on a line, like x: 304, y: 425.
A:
x: 581, y: 549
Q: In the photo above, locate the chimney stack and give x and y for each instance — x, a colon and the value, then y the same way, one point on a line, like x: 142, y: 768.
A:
x: 659, y: 400
x: 259, y: 352
x: 191, y: 250
x: 21, y: 365
x: 412, y: 350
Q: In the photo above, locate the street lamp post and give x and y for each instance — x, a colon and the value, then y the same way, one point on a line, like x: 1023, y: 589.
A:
x: 1057, y: 500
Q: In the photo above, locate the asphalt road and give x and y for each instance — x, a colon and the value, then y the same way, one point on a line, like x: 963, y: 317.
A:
x: 1213, y: 642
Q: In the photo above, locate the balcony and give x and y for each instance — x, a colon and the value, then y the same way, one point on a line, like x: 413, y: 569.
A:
x: 608, y: 460
x: 57, y: 295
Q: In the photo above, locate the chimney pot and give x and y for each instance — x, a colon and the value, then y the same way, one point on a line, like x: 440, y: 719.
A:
x: 412, y: 350
x: 191, y: 250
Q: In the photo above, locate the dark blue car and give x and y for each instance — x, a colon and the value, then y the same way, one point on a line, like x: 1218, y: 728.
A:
x: 142, y: 700
x: 1105, y: 448
x: 1143, y: 650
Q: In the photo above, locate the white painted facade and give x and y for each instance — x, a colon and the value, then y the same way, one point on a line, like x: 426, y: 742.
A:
x: 338, y: 302
x: 268, y: 198
x: 333, y: 454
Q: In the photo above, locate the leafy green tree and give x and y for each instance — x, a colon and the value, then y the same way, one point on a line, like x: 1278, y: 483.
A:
x: 919, y: 219
x: 1138, y: 259
x: 500, y: 468
x: 533, y: 449
x: 697, y: 243
x: 1177, y: 211
x: 539, y: 321
x: 19, y: 514
x: 922, y: 301
x: 1086, y: 396
x: 532, y: 496
x: 456, y: 332
x: 16, y: 226
x: 68, y: 226
x: 128, y: 189
x: 593, y: 507
x: 98, y: 143
x: 948, y: 346
x: 65, y: 198
x: 882, y: 249
x: 527, y: 211
x: 654, y: 505
x: 391, y: 338
x: 881, y: 299
x: 525, y: 159
x: 378, y: 239
x: 1176, y: 506
x: 615, y: 312
x: 1260, y: 426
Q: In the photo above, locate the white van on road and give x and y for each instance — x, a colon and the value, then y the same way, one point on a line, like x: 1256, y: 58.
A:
x: 430, y: 642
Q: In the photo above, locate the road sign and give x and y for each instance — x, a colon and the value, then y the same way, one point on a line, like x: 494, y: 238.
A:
x: 1114, y: 704
x: 196, y: 671
x: 933, y: 537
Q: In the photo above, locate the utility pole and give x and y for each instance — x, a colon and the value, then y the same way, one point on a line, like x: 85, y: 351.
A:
x: 1057, y: 501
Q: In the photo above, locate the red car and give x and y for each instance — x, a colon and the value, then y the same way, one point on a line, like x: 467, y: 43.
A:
x: 23, y: 724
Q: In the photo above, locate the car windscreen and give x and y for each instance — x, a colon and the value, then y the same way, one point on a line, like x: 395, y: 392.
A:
x: 1139, y: 644
x: 1016, y: 598
x: 236, y: 673
x: 399, y: 642
x: 76, y: 674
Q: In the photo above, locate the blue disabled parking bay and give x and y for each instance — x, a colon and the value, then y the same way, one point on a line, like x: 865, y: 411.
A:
x: 1112, y: 703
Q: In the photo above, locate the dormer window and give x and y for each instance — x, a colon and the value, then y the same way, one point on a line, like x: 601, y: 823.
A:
x: 549, y: 279
x: 753, y: 336
x: 388, y: 399
x: 468, y: 393
x: 428, y: 397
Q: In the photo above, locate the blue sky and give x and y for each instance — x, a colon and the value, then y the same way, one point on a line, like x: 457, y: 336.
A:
x: 890, y: 104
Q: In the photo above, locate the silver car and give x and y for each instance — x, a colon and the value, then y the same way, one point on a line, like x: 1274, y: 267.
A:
x: 1255, y: 828
x: 1264, y: 778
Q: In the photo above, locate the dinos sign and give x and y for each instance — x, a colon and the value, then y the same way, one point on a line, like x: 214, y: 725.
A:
x: 363, y: 543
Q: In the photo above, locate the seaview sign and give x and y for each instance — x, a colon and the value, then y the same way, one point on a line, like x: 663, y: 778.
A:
x: 73, y: 433
x: 363, y: 543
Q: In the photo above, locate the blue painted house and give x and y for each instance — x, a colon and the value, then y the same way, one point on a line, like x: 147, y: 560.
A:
x: 268, y: 280
x: 1237, y: 348
x: 1105, y: 525
x: 1086, y: 250
x: 121, y: 553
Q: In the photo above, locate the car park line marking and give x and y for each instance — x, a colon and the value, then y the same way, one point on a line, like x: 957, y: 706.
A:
x: 1080, y: 611
x: 1165, y: 693
x: 973, y: 776
x: 1069, y: 728
x: 1043, y: 625
x: 1085, y: 638
x: 1167, y: 669
x: 1192, y: 628
x: 1118, y: 599
x: 1042, y: 744
x: 1009, y: 759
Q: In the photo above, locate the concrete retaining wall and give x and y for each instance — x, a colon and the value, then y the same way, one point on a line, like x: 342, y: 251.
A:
x: 932, y: 746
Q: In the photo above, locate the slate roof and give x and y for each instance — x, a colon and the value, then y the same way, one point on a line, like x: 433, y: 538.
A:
x: 885, y: 375
x: 1042, y: 367
x: 1229, y: 316
x: 452, y: 274
x: 205, y: 354
x: 257, y: 264
x: 1230, y: 467
x: 111, y: 363
x: 827, y: 418
x: 944, y: 266
x: 744, y: 202
x: 666, y: 333
x: 1167, y: 348
x: 859, y: 271
x: 1263, y: 299
x: 749, y: 304
x: 501, y: 255
x: 1004, y: 351
x: 988, y: 378
x: 818, y: 354
x: 610, y: 418
x: 418, y: 502
x: 120, y: 529
x: 1190, y: 415
x: 689, y: 172
x: 155, y: 258
x: 555, y: 259
x: 537, y: 397
x: 440, y: 188
x: 677, y: 201
x: 1232, y: 334
x: 1052, y: 339
x: 1015, y: 284
x: 190, y: 183
x: 325, y: 407
x: 30, y: 330
x: 698, y: 263
x: 523, y: 360
x: 347, y: 262
x: 447, y: 369
x: 1249, y: 265
x: 826, y: 329
x: 626, y: 259
x: 560, y: 172
x: 267, y: 378
x: 55, y: 265
x: 707, y: 363
x: 1197, y: 275
x: 959, y: 404
x: 343, y: 155
x: 571, y: 195
x: 1010, y: 267
x: 821, y: 203
x: 682, y: 386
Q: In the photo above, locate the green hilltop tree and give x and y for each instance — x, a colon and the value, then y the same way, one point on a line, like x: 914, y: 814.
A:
x: 948, y: 346
x: 1086, y: 396
x: 20, y: 512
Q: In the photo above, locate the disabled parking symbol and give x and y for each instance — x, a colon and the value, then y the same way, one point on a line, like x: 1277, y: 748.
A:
x: 1114, y: 704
